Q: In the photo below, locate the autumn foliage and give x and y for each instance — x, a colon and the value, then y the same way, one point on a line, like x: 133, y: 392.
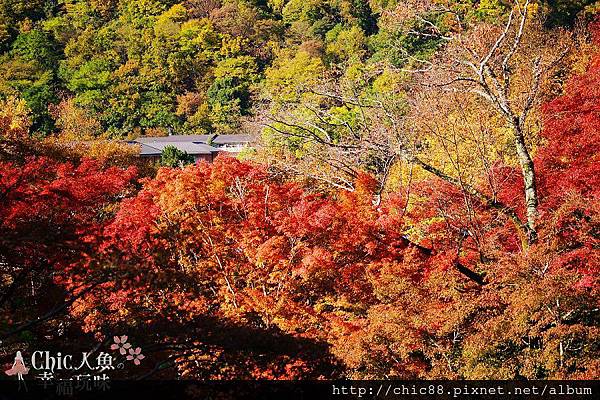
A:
x: 209, y: 256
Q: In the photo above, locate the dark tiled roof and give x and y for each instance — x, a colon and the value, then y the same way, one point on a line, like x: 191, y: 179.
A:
x: 191, y: 144
x: 174, y: 138
x: 232, y: 139
x: 146, y: 150
x: 155, y: 148
x: 217, y: 139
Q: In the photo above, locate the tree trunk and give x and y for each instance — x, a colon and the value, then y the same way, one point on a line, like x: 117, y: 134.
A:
x: 528, y: 171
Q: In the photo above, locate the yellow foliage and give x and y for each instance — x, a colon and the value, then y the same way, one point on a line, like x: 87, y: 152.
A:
x: 74, y: 122
x: 347, y: 43
x: 14, y: 118
x: 291, y: 74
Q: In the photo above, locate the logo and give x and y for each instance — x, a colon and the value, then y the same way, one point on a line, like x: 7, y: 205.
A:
x: 70, y: 372
x: 18, y: 367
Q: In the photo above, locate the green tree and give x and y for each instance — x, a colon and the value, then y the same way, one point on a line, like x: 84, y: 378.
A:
x: 171, y: 156
x: 13, y: 13
x: 29, y: 71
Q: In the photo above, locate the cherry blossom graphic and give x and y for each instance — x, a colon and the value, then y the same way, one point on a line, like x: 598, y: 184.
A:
x: 136, y: 355
x: 121, y: 344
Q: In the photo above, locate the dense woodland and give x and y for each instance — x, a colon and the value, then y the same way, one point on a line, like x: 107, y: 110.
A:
x: 421, y: 200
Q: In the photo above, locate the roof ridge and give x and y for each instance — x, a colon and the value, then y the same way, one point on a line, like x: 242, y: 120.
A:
x: 146, y: 144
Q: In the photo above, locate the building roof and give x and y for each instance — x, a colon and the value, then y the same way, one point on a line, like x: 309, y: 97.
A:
x: 191, y: 144
x: 216, y: 139
x: 155, y: 148
x: 146, y: 150
x: 174, y: 138
x: 232, y: 139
